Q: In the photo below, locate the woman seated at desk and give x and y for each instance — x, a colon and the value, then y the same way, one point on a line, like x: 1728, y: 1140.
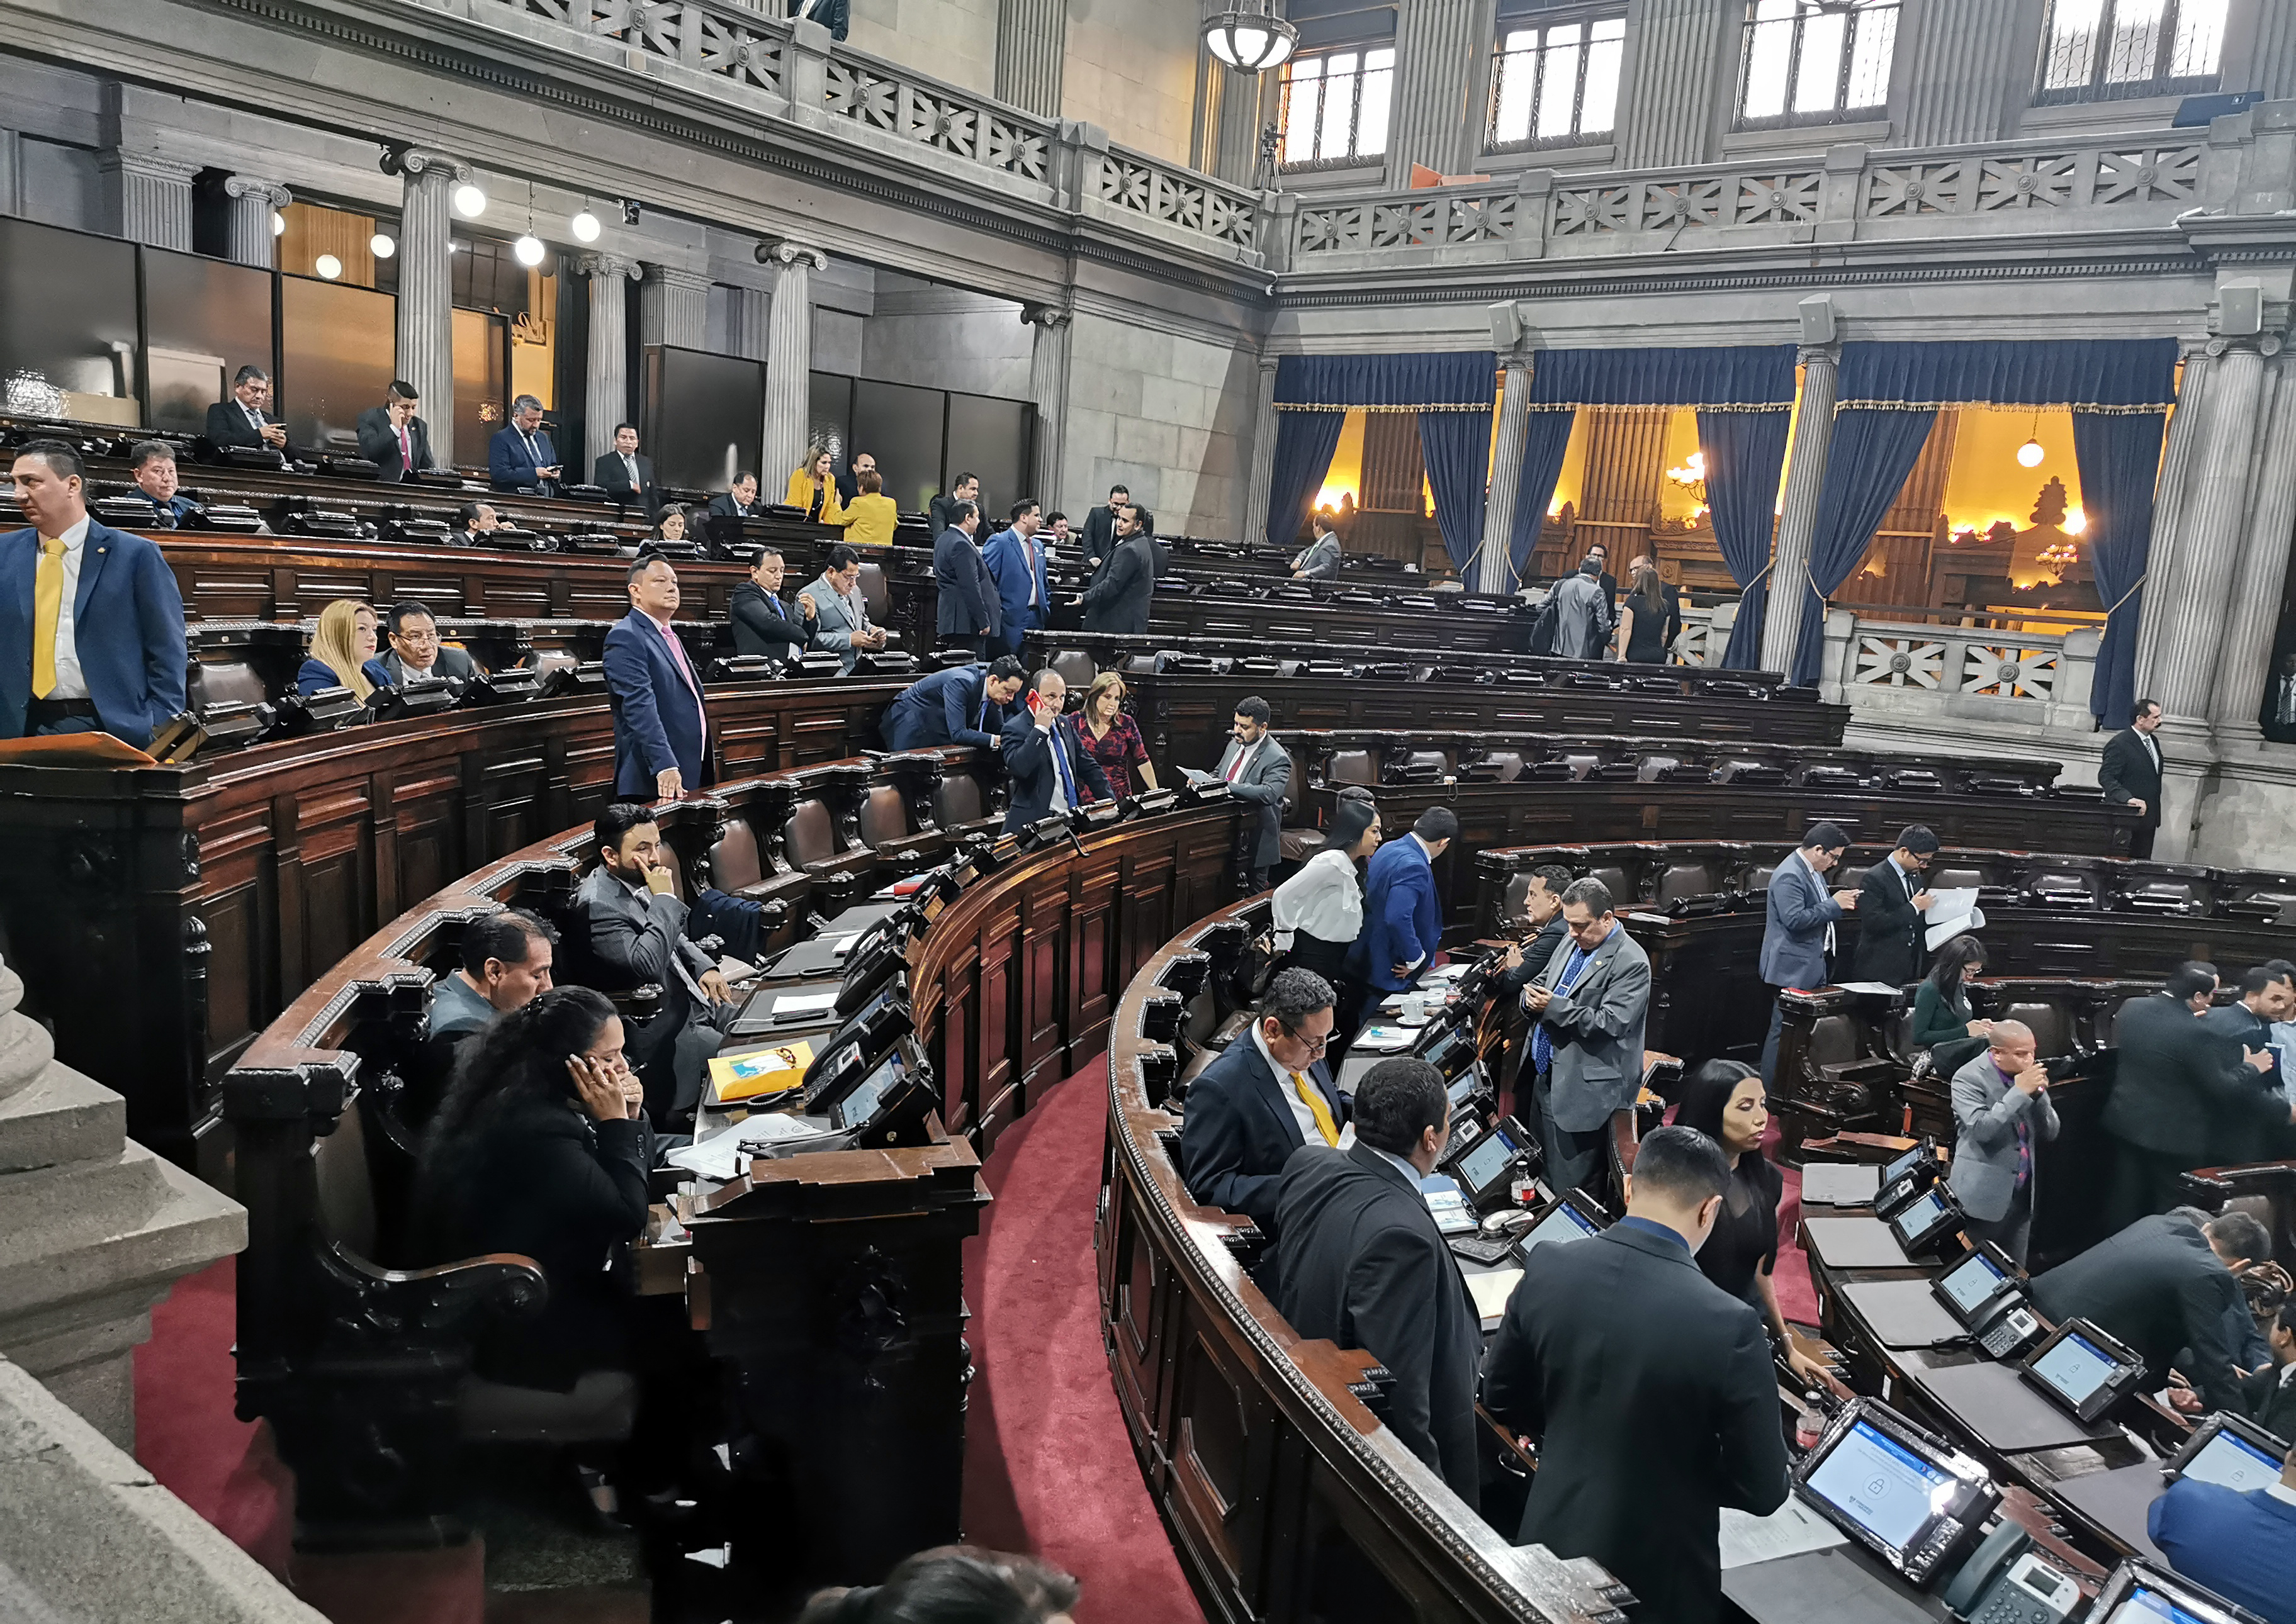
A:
x: 1942, y: 1023
x: 342, y: 653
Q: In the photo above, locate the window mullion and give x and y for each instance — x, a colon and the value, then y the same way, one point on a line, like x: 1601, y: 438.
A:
x: 2164, y: 49
x: 1355, y: 104
x: 1846, y: 61
x: 1793, y: 70
x: 1578, y: 81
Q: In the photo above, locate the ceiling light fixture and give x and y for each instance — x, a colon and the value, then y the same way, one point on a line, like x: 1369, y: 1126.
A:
x: 383, y: 246
x: 585, y: 225
x: 470, y: 203
x: 328, y: 266
x: 1250, y: 38
x: 278, y: 223
x: 528, y: 250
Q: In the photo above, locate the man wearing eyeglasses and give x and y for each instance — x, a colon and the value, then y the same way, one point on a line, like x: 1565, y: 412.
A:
x: 1268, y: 1094
x: 417, y: 652
x: 1891, y: 901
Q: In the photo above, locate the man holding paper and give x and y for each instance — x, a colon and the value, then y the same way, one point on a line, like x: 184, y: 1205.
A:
x: 1798, y: 925
x: 1890, y: 903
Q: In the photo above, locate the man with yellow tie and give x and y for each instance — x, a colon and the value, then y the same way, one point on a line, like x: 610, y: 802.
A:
x: 1267, y: 1094
x: 91, y: 624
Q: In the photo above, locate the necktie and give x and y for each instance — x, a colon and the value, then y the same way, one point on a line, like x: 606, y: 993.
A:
x: 47, y: 609
x: 405, y: 452
x: 2024, y: 1154
x: 678, y: 654
x: 1235, y: 767
x: 1542, y: 1046
x: 1313, y: 1096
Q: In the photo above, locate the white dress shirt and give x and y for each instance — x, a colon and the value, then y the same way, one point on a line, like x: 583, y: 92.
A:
x: 677, y: 657
x: 1399, y: 1163
x: 1323, y: 899
x: 1310, y: 1134
x: 69, y: 683
x: 630, y: 465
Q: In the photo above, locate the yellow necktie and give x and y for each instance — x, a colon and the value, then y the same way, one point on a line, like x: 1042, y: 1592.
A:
x: 1314, y: 1097
x: 47, y: 609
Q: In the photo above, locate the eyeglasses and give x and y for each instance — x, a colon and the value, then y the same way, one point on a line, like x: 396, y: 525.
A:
x: 1313, y: 1046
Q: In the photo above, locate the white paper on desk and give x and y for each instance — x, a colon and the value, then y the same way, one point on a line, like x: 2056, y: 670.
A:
x: 1491, y: 1290
x: 780, y: 1127
x: 810, y: 1003
x: 1789, y: 1530
x: 1384, y: 1040
x: 843, y: 945
x: 720, y: 1158
x: 1865, y: 986
x: 1952, y: 912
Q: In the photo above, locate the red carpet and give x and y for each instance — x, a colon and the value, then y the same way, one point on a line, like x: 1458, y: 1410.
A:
x: 1048, y: 1468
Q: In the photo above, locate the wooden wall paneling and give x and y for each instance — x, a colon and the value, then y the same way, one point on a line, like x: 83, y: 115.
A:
x: 997, y: 1044
x: 1095, y: 909
x: 1146, y: 922
x: 1222, y: 1433
x: 1043, y: 939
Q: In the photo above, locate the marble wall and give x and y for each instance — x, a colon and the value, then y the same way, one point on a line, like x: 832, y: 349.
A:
x: 1167, y: 414
x: 1131, y: 69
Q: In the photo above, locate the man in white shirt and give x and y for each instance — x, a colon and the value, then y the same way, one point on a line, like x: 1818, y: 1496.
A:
x: 1265, y: 1096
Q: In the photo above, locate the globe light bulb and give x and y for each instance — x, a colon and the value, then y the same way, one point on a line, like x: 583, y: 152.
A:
x: 2030, y: 453
x: 470, y: 203
x: 278, y: 223
x: 585, y: 227
x: 528, y: 250
x: 328, y: 266
x: 383, y: 246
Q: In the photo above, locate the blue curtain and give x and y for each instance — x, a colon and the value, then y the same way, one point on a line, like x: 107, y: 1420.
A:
x: 2046, y: 372
x: 1457, y: 448
x: 2118, y: 455
x: 1545, y: 440
x: 1737, y: 375
x: 1453, y: 378
x: 1746, y: 452
x: 1873, y: 451
x: 1304, y: 444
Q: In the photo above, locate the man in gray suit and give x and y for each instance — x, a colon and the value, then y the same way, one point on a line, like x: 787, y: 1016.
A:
x: 1582, y: 621
x: 1256, y: 768
x: 1797, y: 931
x: 1320, y: 560
x: 2001, y: 1111
x: 1586, y: 1047
x: 840, y: 616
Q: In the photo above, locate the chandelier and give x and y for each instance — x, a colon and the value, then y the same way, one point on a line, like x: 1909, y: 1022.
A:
x: 1249, y: 38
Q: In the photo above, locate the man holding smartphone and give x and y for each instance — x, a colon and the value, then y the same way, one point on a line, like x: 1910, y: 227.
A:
x: 1052, y: 770
x: 521, y: 456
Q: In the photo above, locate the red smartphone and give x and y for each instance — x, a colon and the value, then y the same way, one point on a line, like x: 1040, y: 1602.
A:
x: 1036, y: 703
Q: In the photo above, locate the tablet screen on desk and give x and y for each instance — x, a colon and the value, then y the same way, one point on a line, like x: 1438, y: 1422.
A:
x: 2147, y: 1606
x: 1918, y: 1217
x: 861, y: 1105
x: 2074, y: 1368
x: 1887, y: 1489
x: 2233, y: 1461
x: 1484, y: 1165
x: 1565, y: 1223
x: 1903, y: 1165
x: 1969, y: 1282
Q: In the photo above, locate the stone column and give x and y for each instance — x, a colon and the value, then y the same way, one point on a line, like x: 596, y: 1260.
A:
x: 1956, y: 89
x: 1236, y: 150
x: 1798, y: 520
x: 253, y: 202
x: 2275, y: 51
x: 426, y: 286
x: 1438, y: 88
x: 2252, y: 609
x: 1032, y: 42
x: 148, y: 199
x: 1675, y: 60
x: 2189, y: 603
x: 606, y: 396
x: 1048, y: 387
x: 2179, y: 463
x: 674, y: 307
x: 748, y: 313
x: 1263, y: 458
x: 789, y: 355
x: 1494, y: 566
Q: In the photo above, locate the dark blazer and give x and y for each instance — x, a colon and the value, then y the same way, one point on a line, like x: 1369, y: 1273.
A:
x: 2270, y: 1402
x: 316, y: 675
x: 452, y: 663
x: 2180, y: 1088
x: 1651, y: 1392
x: 1118, y: 599
x: 511, y: 467
x: 2127, y: 772
x: 1012, y: 562
x: 2256, y: 1127
x: 2238, y: 1546
x: 965, y: 590
x: 765, y: 624
x: 1027, y: 752
x: 1100, y: 538
x: 657, y: 724
x: 1360, y: 1262
x: 945, y: 707
x: 2159, y: 1287
x: 127, y: 628
x: 227, y: 424
x: 724, y: 506
x: 1536, y: 953
x: 377, y: 443
x: 833, y: 16
x: 1238, y: 1131
x: 171, y: 514
x: 1403, y: 917
x: 1888, y: 928
x: 610, y: 473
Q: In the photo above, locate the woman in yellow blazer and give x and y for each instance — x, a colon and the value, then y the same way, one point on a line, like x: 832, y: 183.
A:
x: 869, y: 521
x: 813, y: 488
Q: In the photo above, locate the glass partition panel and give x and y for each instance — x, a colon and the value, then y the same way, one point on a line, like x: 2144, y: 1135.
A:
x: 481, y: 340
x: 902, y: 427
x: 66, y: 324
x: 829, y: 416
x: 336, y: 352
x: 705, y: 417
x: 990, y: 438
x: 203, y: 320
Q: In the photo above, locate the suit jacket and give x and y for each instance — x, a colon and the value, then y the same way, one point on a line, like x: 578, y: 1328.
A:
x: 2270, y: 1402
x: 657, y: 723
x: 1099, y: 536
x: 835, y: 15
x: 1403, y: 917
x: 2127, y: 771
x: 1986, y: 1112
x: 966, y: 594
x: 1582, y: 625
x: 1888, y: 927
x: 1596, y: 1029
x: 227, y: 424
x: 612, y: 473
x: 1118, y: 599
x: 315, y: 675
x: 1321, y: 560
x: 2239, y: 1545
x: 1014, y: 562
x: 1238, y: 1130
x: 833, y: 623
x: 1028, y: 751
x: 510, y: 467
x: 171, y: 514
x: 2254, y: 1128
x: 638, y: 937
x: 1267, y: 781
x: 938, y: 511
x: 1361, y: 1263
x: 377, y: 443
x: 1794, y: 931
x: 2180, y: 1088
x: 2157, y: 1286
x: 452, y: 663
x: 945, y: 707
x: 765, y: 625
x: 1654, y: 1395
x: 127, y: 628
x: 724, y: 506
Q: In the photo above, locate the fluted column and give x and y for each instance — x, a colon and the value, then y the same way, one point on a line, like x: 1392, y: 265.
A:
x: 1048, y: 387
x: 674, y: 307
x: 1438, y: 93
x: 426, y: 286
x: 788, y: 353
x: 2252, y: 610
x: 747, y: 316
x: 1236, y: 148
x: 1798, y: 519
x: 253, y: 202
x: 1263, y: 458
x: 2188, y: 602
x: 2276, y: 52
x: 2180, y: 461
x: 1494, y: 565
x: 1677, y: 57
x: 606, y: 396
x: 1032, y: 42
x: 1956, y: 90
x: 148, y: 199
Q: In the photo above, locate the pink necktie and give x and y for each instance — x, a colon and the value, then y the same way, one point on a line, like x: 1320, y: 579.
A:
x: 406, y: 452
x: 678, y: 653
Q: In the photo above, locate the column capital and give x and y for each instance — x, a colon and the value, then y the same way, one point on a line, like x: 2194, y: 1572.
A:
x: 2246, y: 344
x: 675, y: 276
x: 1269, y: 363
x: 609, y: 266
x: 1051, y: 317
x: 415, y: 161
x: 789, y: 253
x: 1809, y: 354
x: 256, y: 186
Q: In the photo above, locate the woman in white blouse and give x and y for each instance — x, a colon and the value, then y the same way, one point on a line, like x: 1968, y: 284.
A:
x: 1318, y: 911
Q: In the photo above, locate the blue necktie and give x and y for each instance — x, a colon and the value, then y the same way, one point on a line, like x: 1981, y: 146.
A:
x: 1060, y: 761
x: 1542, y: 1047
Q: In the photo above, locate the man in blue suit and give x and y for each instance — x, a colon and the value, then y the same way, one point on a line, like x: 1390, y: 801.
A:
x: 964, y: 704
x: 151, y: 464
x: 1269, y: 1093
x: 1051, y: 769
x: 91, y: 624
x: 1016, y: 563
x: 2240, y: 1545
x: 1798, y: 930
x: 661, y: 732
x: 961, y: 583
x: 521, y: 456
x: 1403, y: 917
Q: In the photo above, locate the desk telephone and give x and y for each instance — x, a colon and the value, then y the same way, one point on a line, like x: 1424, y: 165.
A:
x: 2006, y: 1581
x: 2007, y: 1335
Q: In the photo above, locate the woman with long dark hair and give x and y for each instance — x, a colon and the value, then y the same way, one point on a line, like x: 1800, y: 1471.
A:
x: 953, y: 1583
x: 1726, y: 1101
x: 1652, y: 617
x: 1942, y: 1021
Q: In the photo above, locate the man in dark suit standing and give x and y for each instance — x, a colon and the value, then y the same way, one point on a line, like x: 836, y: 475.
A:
x: 1268, y: 1093
x: 626, y: 476
x: 521, y: 456
x: 739, y: 503
x: 245, y: 418
x: 662, y: 730
x: 964, y: 704
x: 1016, y: 561
x: 1798, y: 923
x: 91, y: 624
x: 2130, y: 775
x: 942, y: 513
x: 1049, y: 768
x: 1100, y: 530
x: 2267, y: 994
x: 393, y: 439
x: 1403, y: 917
x: 1890, y: 903
x: 2175, y: 1089
x: 965, y: 589
x: 1118, y: 599
x: 1360, y: 1262
x: 1526, y: 962
x: 151, y: 464
x: 1651, y: 1391
x: 832, y: 14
